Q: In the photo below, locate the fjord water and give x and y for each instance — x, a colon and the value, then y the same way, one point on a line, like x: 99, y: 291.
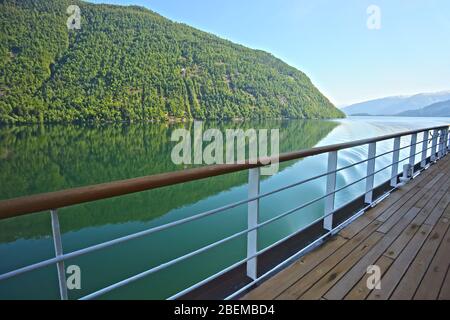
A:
x: 36, y: 159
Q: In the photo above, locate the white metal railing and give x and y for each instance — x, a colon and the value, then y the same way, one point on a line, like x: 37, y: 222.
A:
x: 439, y: 148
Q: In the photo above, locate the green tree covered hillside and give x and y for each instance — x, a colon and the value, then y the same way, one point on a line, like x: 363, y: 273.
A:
x: 131, y: 64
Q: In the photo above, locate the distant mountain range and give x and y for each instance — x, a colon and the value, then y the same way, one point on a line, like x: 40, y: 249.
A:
x: 396, y: 105
x: 440, y: 109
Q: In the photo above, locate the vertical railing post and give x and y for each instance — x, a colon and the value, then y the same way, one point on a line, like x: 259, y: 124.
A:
x: 252, y: 221
x: 445, y: 148
x: 370, y: 172
x: 395, y: 159
x: 423, y: 163
x: 441, y: 144
x: 331, y: 187
x: 434, y: 145
x: 448, y: 140
x: 412, y: 151
x: 58, y: 252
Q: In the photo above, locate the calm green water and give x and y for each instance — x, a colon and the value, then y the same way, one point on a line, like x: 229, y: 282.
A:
x: 35, y: 159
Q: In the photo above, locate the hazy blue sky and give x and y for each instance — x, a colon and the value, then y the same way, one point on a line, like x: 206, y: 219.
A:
x: 329, y: 40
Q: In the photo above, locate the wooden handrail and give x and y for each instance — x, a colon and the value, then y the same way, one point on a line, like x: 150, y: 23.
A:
x: 64, y: 198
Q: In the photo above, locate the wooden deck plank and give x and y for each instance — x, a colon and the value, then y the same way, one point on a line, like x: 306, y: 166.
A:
x: 352, y: 277
x: 304, y: 283
x: 404, y: 200
x: 435, y: 205
x: 331, y: 277
x: 411, y: 280
x: 431, y: 283
x: 283, y: 280
x: 436, y: 214
x: 397, y: 246
x: 407, y: 235
x: 392, y: 203
x: 415, y: 201
x: 392, y: 277
x: 361, y: 290
x: 444, y: 294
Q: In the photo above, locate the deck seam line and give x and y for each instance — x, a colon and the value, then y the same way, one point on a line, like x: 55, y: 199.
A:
x: 443, y: 282
x: 434, y: 255
x: 412, y: 260
x: 435, y: 204
x: 431, y: 189
x: 415, y: 203
x: 376, y: 230
x: 327, y: 258
x: 346, y: 271
x: 420, y: 209
x: 378, y: 257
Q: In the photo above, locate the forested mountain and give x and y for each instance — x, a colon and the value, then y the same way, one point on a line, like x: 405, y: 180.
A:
x: 84, y: 154
x: 440, y: 109
x: 397, y: 104
x: 131, y: 64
